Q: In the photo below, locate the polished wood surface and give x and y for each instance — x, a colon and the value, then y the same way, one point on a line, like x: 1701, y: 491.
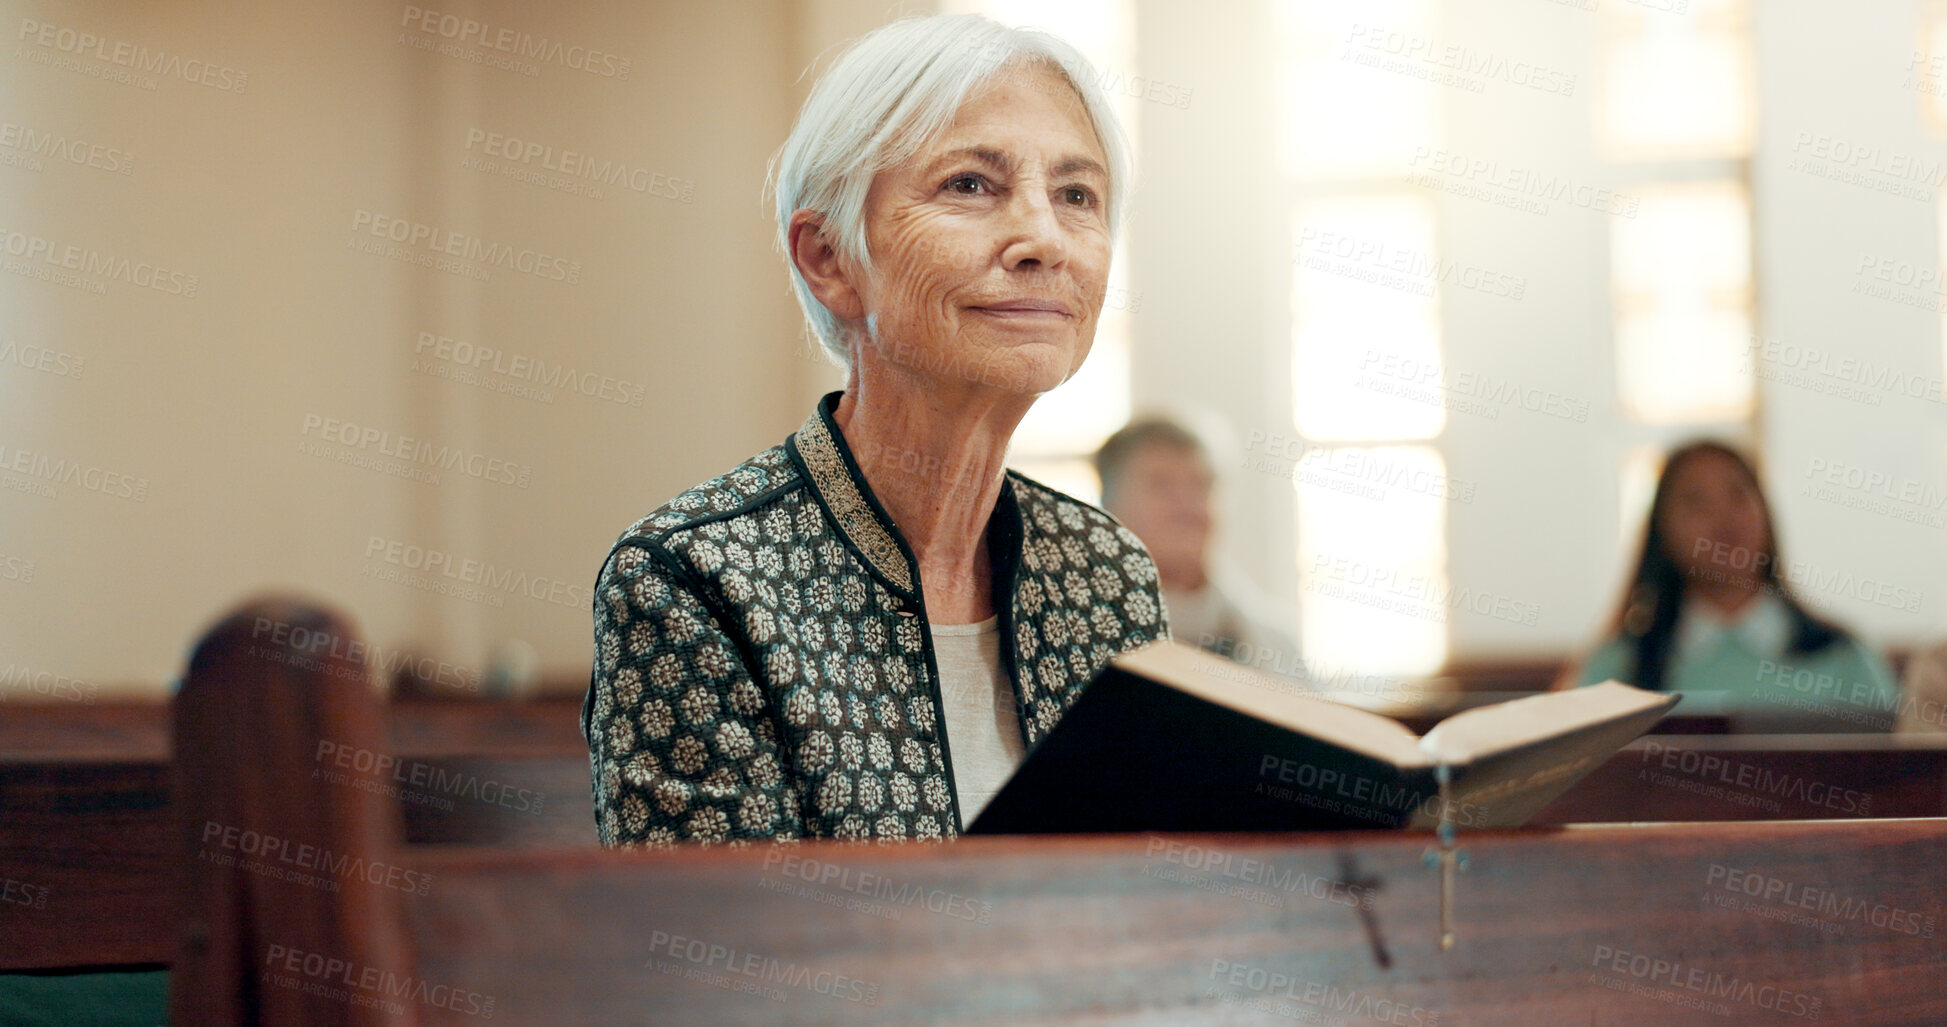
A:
x: 1209, y: 929
x: 277, y: 853
x: 95, y: 835
x: 420, y: 727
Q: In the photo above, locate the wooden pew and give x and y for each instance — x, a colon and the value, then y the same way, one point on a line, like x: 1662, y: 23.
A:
x: 420, y: 727
x: 1667, y: 923
x: 94, y: 843
x: 86, y: 845
x: 1761, y: 777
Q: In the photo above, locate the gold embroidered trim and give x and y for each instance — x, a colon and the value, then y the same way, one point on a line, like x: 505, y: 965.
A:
x: 855, y: 518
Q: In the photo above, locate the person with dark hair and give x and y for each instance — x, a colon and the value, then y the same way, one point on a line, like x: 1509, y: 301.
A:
x: 1709, y: 609
x: 1157, y: 480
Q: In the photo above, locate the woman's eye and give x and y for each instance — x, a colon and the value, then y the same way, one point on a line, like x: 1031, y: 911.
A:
x: 1077, y: 196
x: 966, y: 185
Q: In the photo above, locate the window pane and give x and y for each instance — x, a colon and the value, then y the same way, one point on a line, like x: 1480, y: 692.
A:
x: 1676, y: 85
x: 1685, y: 237
x: 1681, y: 274
x: 1679, y: 366
x: 1927, y: 73
x: 1336, y: 117
x: 1372, y: 560
x: 1363, y: 309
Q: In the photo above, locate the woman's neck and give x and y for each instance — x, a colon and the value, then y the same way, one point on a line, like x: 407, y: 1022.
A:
x: 935, y: 457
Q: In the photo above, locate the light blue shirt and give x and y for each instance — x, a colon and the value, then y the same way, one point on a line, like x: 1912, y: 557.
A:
x: 1743, y: 667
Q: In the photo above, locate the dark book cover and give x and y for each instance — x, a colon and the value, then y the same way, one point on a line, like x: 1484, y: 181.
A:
x: 1171, y: 739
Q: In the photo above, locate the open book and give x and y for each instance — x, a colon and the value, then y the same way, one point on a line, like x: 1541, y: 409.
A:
x: 1171, y: 738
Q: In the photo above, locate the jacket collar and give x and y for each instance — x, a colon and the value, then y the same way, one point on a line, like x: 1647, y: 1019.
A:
x: 841, y: 489
x: 820, y: 448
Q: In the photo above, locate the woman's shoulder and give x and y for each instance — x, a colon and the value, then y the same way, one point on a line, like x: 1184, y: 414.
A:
x: 1060, y: 531
x: 739, y: 490
x: 1049, y: 511
x: 739, y: 504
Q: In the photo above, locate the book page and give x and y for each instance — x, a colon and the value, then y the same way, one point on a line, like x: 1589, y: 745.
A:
x: 1466, y: 737
x: 1275, y: 701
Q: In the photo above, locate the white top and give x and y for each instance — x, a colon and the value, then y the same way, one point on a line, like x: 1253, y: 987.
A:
x: 982, y: 728
x: 1763, y: 630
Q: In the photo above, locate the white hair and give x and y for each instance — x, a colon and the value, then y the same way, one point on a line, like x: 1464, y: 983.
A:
x: 890, y: 95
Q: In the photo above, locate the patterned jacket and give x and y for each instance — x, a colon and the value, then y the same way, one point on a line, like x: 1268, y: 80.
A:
x: 763, y: 667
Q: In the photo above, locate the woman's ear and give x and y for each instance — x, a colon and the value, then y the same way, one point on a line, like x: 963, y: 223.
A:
x: 825, y: 271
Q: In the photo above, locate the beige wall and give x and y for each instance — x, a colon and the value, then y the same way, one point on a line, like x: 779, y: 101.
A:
x: 262, y: 192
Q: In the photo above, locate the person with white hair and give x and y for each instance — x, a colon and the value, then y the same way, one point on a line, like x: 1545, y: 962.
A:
x: 857, y: 633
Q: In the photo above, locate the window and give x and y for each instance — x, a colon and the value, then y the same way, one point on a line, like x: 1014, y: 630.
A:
x: 1365, y: 341
x: 1676, y: 109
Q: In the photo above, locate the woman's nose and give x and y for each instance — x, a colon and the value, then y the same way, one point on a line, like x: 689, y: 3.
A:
x: 1034, y: 233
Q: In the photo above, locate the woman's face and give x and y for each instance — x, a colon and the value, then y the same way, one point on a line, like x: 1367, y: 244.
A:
x: 1713, y: 519
x: 990, y: 248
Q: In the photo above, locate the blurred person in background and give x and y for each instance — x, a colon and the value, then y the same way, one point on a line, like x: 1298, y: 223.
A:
x: 1708, y: 610
x: 1158, y: 481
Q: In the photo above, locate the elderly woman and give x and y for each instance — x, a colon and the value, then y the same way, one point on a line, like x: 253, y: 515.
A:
x: 857, y: 633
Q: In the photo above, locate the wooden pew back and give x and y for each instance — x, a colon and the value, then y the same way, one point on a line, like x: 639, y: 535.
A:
x: 1741, y: 922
